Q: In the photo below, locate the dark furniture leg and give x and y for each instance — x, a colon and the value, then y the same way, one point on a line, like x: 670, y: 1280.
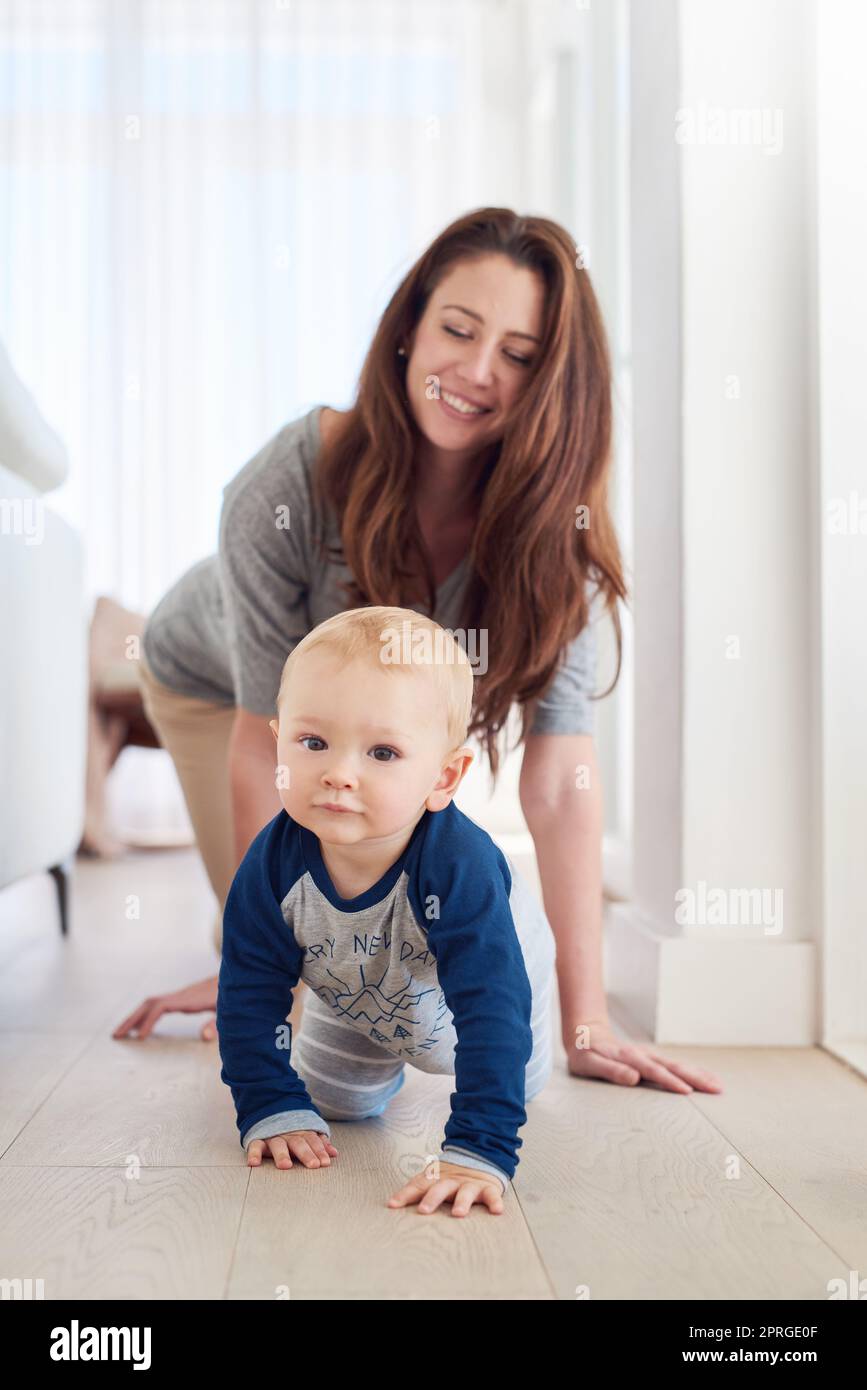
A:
x: 60, y: 874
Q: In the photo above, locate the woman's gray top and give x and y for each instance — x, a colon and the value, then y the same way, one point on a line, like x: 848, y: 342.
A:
x: 225, y: 628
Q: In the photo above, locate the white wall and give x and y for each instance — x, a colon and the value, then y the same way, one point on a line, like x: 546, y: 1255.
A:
x: 748, y: 524
x: 726, y: 789
x: 842, y: 274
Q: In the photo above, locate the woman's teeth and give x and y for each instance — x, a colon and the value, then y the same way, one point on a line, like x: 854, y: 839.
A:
x: 457, y: 403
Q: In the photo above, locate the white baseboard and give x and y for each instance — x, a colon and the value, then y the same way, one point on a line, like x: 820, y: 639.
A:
x: 852, y: 1051
x: 683, y: 990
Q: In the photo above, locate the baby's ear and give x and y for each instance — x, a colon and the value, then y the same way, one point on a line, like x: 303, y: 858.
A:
x: 275, y: 728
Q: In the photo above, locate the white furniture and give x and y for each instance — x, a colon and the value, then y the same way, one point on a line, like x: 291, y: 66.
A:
x: 43, y: 649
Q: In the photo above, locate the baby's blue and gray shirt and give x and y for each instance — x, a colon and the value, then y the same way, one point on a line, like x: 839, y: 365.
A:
x: 427, y: 963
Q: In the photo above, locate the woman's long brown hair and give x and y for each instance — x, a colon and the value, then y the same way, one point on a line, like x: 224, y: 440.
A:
x: 530, y: 562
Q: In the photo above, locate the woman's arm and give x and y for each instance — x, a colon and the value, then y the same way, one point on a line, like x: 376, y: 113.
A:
x: 252, y: 777
x: 561, y: 797
x: 255, y: 801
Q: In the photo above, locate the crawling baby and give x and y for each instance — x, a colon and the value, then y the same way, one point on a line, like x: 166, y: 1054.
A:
x: 418, y: 939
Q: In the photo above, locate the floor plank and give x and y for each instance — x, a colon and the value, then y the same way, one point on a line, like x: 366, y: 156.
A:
x: 100, y: 1233
x: 328, y: 1232
x: 121, y: 1174
x: 631, y: 1192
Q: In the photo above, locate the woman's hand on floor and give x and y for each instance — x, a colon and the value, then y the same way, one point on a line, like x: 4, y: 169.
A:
x: 195, y: 999
x: 450, y: 1182
x: 595, y: 1051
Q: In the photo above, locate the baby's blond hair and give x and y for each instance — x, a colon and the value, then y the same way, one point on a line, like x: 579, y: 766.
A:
x: 397, y: 639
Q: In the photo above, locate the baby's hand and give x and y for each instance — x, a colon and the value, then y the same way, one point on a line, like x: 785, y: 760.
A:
x: 313, y: 1149
x: 449, y: 1182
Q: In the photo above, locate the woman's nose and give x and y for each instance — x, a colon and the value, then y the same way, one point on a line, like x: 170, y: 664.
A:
x: 478, y: 367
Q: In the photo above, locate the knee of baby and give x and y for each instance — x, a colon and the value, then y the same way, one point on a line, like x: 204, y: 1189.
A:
x: 361, y: 1108
x: 329, y: 1112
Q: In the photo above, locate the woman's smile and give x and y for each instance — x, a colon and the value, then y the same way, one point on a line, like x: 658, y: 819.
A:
x: 459, y: 408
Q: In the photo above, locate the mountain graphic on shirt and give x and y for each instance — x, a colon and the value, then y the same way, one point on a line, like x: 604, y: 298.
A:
x: 369, y: 1002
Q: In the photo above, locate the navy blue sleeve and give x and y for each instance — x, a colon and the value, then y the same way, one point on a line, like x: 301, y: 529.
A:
x: 481, y: 970
x: 260, y: 967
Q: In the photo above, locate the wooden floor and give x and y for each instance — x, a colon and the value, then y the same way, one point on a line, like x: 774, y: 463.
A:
x: 121, y: 1174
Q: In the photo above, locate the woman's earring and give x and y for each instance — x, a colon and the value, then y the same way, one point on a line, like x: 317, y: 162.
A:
x: 401, y: 352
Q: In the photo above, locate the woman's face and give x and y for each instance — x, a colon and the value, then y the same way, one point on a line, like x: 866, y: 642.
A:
x: 475, y: 341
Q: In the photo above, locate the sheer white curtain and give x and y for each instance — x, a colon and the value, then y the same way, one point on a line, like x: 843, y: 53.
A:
x: 205, y: 205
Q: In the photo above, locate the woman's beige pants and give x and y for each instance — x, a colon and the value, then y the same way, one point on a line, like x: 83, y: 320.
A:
x: 196, y: 735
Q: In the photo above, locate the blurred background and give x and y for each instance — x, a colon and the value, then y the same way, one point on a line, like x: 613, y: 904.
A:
x: 204, y: 208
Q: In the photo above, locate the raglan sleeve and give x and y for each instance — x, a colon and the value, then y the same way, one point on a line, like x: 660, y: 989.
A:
x: 264, y: 565
x: 481, y: 970
x: 261, y: 965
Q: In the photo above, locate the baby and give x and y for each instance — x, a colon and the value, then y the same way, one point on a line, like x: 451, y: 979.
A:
x: 418, y: 939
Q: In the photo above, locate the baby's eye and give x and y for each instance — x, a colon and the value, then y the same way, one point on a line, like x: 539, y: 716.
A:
x: 316, y: 739
x: 383, y: 748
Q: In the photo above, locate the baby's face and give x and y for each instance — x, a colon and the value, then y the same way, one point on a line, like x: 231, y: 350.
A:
x: 370, y: 741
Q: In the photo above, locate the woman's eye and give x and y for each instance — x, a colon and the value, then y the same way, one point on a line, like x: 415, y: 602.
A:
x: 381, y: 748
x: 316, y: 739
x: 522, y: 361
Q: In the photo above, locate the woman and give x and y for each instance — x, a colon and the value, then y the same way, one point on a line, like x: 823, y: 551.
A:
x: 469, y: 480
